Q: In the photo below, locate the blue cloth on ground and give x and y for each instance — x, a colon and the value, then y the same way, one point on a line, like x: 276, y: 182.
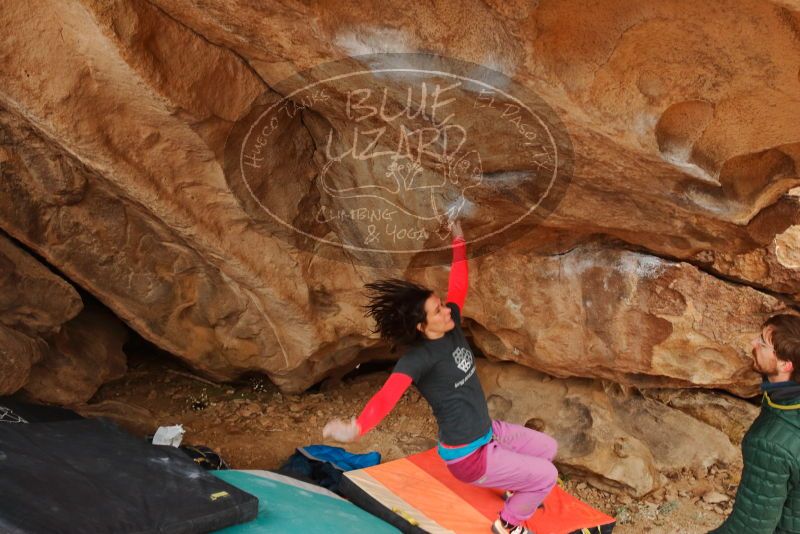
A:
x: 346, y: 461
x: 323, y: 465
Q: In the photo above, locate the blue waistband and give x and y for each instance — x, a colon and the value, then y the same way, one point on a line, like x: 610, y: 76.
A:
x: 448, y: 453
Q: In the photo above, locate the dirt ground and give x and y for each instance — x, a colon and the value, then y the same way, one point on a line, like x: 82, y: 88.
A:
x: 253, y: 426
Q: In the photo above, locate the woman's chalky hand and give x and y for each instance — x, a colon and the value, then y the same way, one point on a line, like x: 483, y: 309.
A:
x: 343, y: 431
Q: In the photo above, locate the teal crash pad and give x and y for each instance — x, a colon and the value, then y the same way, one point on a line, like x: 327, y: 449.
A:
x: 288, y: 505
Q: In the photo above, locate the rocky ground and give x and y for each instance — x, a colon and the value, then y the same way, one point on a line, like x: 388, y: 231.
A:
x: 252, y: 425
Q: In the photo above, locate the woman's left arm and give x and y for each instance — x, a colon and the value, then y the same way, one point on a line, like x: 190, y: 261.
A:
x: 459, y: 272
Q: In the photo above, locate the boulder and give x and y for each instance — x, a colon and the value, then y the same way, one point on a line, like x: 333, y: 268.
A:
x: 113, y: 161
x: 619, y: 441
x: 84, y: 355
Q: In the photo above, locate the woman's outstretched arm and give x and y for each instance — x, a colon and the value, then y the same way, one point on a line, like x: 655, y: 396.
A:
x: 459, y: 273
x: 373, y: 413
x: 382, y: 402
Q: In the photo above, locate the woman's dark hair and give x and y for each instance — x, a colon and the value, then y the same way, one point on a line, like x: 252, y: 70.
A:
x: 397, y: 307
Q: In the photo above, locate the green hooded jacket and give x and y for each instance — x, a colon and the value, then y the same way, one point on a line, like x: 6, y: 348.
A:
x: 768, y: 498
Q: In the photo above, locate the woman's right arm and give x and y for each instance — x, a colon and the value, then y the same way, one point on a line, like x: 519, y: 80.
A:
x: 382, y: 402
x: 373, y: 413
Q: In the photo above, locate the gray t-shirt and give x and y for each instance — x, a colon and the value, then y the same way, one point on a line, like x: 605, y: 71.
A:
x: 444, y: 372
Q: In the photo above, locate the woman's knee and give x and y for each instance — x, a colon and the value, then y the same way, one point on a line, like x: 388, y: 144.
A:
x: 552, y: 448
x: 548, y: 446
x: 544, y: 477
x: 549, y: 476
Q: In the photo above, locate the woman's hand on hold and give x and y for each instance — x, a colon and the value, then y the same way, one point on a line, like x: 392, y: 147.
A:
x: 455, y: 227
x: 343, y: 431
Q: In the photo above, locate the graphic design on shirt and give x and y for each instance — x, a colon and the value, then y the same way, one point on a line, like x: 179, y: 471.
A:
x: 463, y: 358
x: 7, y: 415
x: 464, y: 380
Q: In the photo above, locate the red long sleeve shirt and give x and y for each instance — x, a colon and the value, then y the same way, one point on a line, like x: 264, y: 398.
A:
x: 392, y: 390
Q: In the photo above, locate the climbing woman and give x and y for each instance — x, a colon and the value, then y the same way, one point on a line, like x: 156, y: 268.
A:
x: 439, y: 361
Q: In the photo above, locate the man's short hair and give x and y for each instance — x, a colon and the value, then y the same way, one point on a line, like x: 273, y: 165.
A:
x: 786, y: 339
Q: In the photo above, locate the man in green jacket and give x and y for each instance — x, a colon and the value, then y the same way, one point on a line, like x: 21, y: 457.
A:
x: 768, y: 498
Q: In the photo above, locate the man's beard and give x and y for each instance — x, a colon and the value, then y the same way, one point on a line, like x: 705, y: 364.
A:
x: 760, y: 370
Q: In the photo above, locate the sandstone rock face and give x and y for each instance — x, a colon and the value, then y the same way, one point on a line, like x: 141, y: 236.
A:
x: 625, y: 316
x: 51, y: 346
x: 135, y: 419
x: 730, y: 415
x: 34, y: 304
x: 132, y: 262
x: 682, y: 119
x: 33, y: 300
x: 85, y: 354
x: 650, y: 107
x: 18, y: 353
x: 219, y: 293
x: 618, y: 442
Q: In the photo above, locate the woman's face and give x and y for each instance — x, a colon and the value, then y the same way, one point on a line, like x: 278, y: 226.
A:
x: 439, y: 318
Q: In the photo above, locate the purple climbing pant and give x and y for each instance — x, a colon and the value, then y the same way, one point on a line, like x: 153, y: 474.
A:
x: 519, y: 459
